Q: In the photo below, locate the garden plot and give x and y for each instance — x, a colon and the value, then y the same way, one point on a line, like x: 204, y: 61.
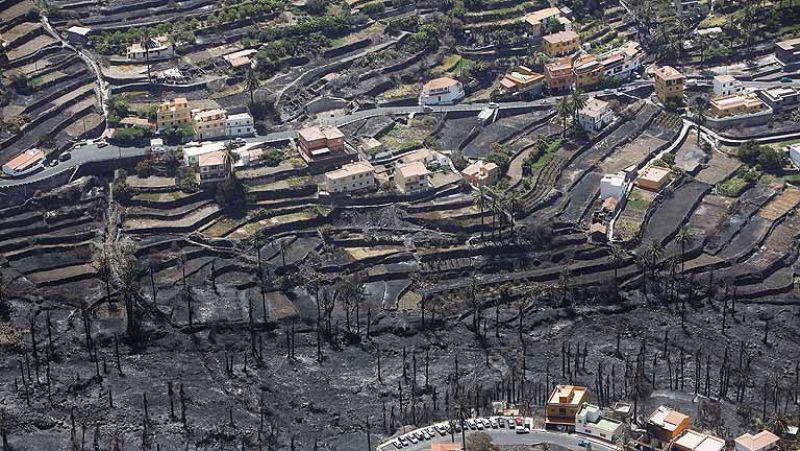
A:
x: 21, y: 31
x: 500, y: 131
x: 709, y: 216
x: 635, y: 153
x: 672, y: 211
x: 16, y: 11
x: 781, y: 204
x: 30, y: 47
x: 185, y: 222
x: 719, y: 168
x: 630, y: 219
x: 745, y: 207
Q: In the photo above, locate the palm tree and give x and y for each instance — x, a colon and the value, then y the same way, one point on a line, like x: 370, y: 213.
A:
x: 481, y: 200
x: 252, y: 83
x: 578, y: 101
x: 564, y: 111
x: 699, y: 112
x: 146, y: 44
x: 653, y: 254
x: 683, y: 237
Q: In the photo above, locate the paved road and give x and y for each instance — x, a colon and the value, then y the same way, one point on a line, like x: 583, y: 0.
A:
x: 508, y: 437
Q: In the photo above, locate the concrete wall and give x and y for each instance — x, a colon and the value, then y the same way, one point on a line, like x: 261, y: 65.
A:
x: 744, y: 120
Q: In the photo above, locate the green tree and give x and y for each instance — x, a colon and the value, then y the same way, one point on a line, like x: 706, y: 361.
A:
x: 564, y: 111
x: 578, y: 101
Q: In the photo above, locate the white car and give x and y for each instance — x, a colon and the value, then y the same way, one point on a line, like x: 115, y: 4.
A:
x: 494, y: 105
x: 479, y: 422
x: 397, y: 443
x: 522, y: 430
x: 412, y: 439
x: 493, y: 422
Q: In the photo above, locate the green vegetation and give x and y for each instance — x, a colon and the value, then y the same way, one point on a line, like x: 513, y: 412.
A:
x: 500, y: 155
x: 272, y: 157
x: 542, y: 155
x: 764, y: 158
x: 732, y: 187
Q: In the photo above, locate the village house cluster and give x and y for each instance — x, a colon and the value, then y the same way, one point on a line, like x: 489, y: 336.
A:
x: 665, y: 429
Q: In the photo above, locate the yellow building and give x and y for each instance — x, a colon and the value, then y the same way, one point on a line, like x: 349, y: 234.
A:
x: 558, y: 74
x: 210, y: 123
x: 668, y: 83
x: 736, y: 104
x: 563, y: 405
x: 173, y: 113
x: 588, y: 71
x: 562, y: 43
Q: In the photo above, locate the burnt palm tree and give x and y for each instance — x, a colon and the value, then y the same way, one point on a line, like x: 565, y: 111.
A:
x: 683, y: 238
x: 252, y: 84
x: 482, y: 202
x: 147, y: 43
x: 699, y: 112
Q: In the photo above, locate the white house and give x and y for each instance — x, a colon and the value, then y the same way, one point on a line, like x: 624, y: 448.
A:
x: 239, y: 125
x: 589, y: 421
x: 595, y: 115
x: 612, y: 185
x: 441, y: 91
x: 193, y: 150
x: 24, y: 163
x: 622, y: 61
x: 726, y: 85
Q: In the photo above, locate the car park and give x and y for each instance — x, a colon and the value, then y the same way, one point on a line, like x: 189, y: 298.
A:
x: 493, y: 422
x: 403, y: 441
x: 412, y: 439
x: 479, y: 424
x: 584, y: 444
x: 426, y: 435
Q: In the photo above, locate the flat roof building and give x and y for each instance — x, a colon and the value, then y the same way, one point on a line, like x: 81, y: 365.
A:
x: 521, y: 79
x: 558, y: 74
x: 736, y: 104
x: 357, y: 176
x: 323, y: 148
x: 788, y: 51
x: 595, y: 115
x: 589, y: 420
x: 173, y: 113
x: 562, y: 43
x: 668, y: 83
x: 481, y: 174
x: 654, y: 178
x: 763, y: 441
x: 412, y: 177
x: 666, y: 424
x: 563, y: 405
x: 725, y: 85
x: 692, y: 440
x: 781, y: 98
x: 537, y: 20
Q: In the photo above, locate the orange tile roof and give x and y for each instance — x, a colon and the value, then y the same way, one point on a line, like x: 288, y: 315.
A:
x: 25, y: 160
x: 215, y: 158
x: 668, y: 73
x: 561, y: 36
x: 439, y: 83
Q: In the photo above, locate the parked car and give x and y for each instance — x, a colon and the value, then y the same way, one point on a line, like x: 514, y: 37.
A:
x: 494, y: 105
x: 412, y: 439
x: 479, y: 423
x: 64, y: 156
x: 426, y: 434
x: 471, y: 424
x: 493, y: 422
x: 786, y: 80
x: 52, y: 163
x: 584, y: 444
x: 521, y: 430
x: 403, y: 441
x: 101, y: 144
x: 241, y: 141
x: 397, y: 444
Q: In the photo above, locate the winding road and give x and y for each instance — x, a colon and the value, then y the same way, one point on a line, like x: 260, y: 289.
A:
x: 507, y: 437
